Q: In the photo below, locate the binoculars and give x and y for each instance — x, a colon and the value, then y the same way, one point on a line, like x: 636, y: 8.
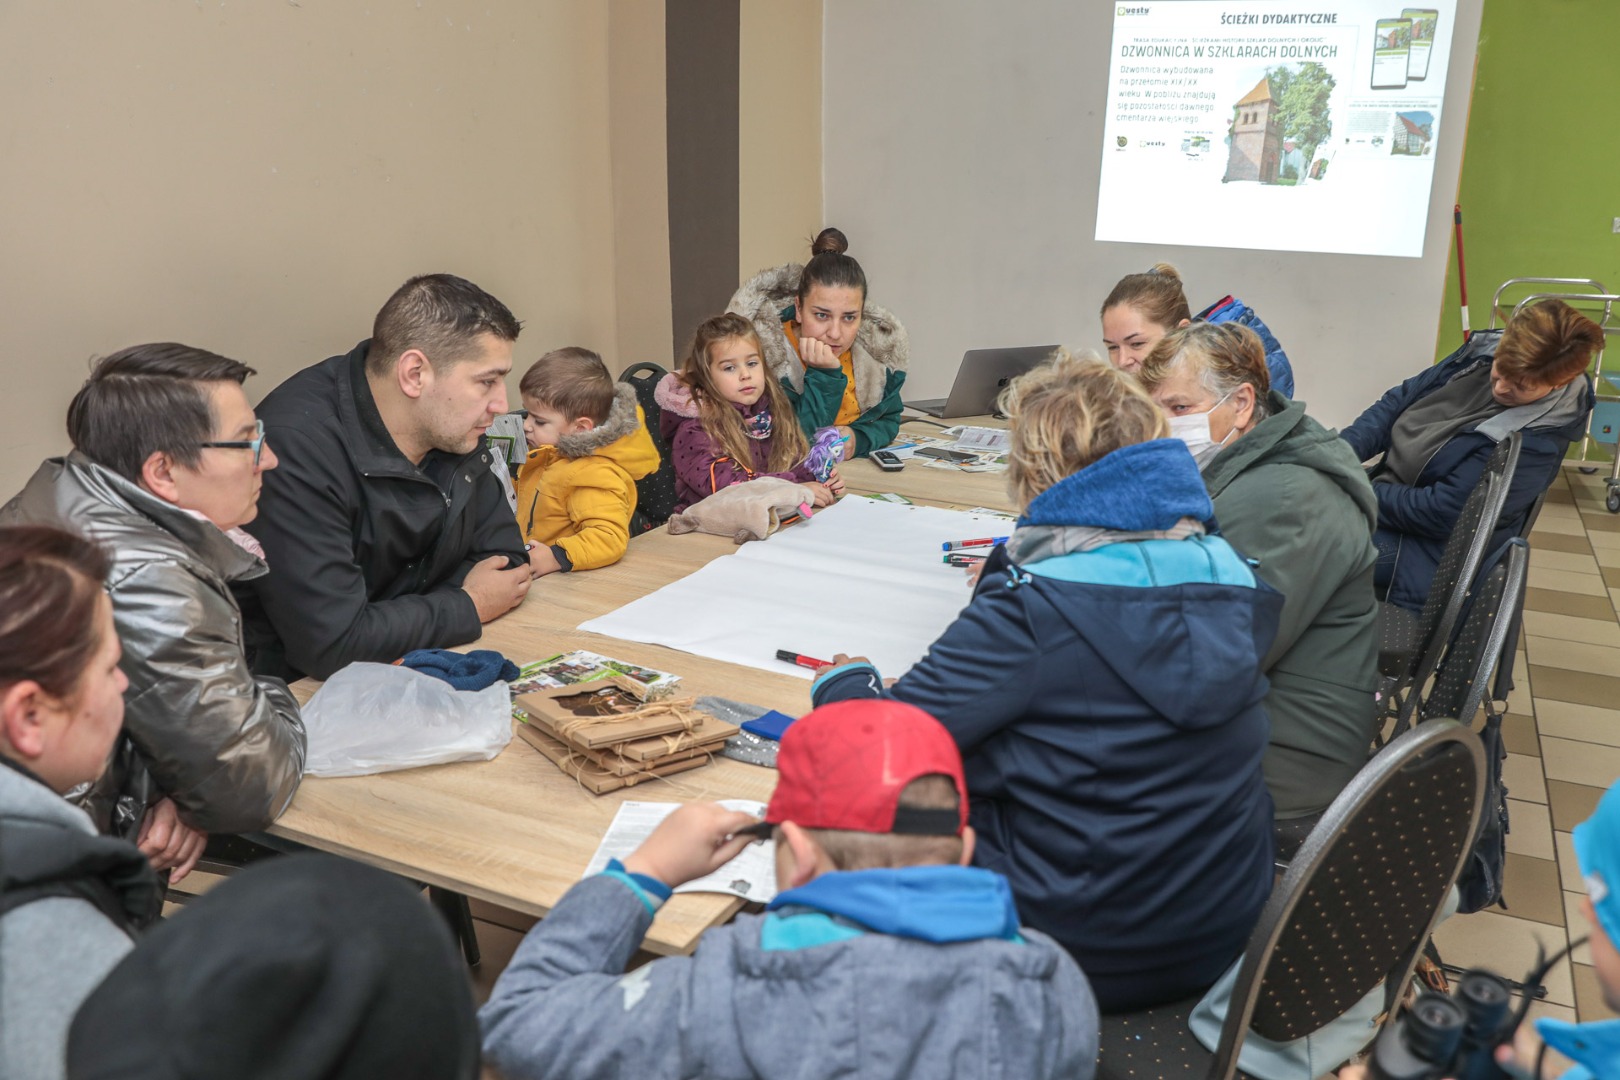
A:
x: 1449, y: 1035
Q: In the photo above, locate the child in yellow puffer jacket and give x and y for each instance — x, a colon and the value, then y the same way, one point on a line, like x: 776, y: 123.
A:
x: 588, y: 445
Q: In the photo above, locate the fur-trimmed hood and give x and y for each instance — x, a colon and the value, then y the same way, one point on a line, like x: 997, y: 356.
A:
x: 673, y: 396
x: 589, y: 476
x: 621, y: 421
x: 621, y: 443
x: 881, y: 344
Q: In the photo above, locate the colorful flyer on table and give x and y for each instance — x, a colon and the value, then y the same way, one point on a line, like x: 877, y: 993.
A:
x: 1424, y: 21
x: 1392, y: 52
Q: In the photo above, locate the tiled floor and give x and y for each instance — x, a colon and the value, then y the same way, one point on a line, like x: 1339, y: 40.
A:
x: 1563, y: 741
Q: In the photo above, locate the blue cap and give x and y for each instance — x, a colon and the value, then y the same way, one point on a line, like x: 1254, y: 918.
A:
x: 1597, y: 848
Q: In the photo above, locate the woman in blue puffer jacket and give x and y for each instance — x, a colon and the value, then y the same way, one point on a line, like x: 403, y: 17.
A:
x: 1437, y: 430
x: 1104, y: 686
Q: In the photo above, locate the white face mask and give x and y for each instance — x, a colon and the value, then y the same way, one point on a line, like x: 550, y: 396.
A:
x: 1193, y: 429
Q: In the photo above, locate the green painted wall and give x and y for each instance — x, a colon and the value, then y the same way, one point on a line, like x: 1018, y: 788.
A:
x: 1541, y: 170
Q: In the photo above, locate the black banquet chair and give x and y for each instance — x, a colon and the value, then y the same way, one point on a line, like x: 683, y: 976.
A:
x: 1356, y: 906
x: 1411, y: 645
x: 655, y: 492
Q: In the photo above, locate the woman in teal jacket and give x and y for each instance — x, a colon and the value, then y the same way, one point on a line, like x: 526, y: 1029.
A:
x: 841, y: 359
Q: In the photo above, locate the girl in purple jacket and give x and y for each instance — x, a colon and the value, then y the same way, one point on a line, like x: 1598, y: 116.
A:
x: 727, y: 420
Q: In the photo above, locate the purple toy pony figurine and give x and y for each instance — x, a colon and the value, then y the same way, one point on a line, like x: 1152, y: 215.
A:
x: 826, y: 451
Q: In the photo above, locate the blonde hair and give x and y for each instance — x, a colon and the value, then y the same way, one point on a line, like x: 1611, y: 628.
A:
x: 719, y: 417
x: 1156, y: 295
x: 1068, y: 413
x: 1225, y: 356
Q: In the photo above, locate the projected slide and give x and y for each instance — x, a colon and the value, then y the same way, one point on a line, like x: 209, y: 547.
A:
x: 1273, y: 124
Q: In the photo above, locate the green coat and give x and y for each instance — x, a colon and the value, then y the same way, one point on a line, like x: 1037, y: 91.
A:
x: 1292, y: 495
x: 817, y: 407
x: 878, y: 357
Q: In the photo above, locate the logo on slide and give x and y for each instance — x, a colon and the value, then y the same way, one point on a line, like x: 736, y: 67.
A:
x: 1123, y: 10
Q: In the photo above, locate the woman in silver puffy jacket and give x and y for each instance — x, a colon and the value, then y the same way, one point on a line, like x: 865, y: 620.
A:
x: 165, y: 470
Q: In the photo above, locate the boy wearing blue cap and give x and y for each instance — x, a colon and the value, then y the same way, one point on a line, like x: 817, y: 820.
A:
x: 1594, y: 1046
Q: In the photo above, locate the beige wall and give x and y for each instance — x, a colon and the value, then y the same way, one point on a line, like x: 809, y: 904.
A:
x: 779, y: 122
x: 640, y: 182
x: 968, y: 184
x: 256, y: 178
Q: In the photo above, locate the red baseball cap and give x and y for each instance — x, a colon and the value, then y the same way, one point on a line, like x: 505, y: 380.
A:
x: 844, y: 765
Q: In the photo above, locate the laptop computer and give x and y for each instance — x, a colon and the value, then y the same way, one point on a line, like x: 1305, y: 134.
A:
x: 980, y: 379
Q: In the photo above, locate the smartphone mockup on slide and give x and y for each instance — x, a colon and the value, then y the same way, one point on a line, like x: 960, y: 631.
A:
x: 1392, y: 51
x: 1424, y: 21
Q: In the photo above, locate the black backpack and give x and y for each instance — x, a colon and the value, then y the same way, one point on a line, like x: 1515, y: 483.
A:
x: 655, y: 492
x: 1480, y: 884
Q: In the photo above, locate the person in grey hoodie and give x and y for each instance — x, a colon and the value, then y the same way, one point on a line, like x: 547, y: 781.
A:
x: 885, y: 954
x: 69, y: 899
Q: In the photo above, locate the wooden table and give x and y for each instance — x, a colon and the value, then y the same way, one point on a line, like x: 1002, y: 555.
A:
x: 929, y: 486
x: 516, y: 831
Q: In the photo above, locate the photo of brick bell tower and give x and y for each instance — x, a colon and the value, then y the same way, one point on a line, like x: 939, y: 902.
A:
x: 1256, y: 142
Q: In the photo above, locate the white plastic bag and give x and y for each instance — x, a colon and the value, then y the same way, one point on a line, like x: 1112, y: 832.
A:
x: 372, y: 718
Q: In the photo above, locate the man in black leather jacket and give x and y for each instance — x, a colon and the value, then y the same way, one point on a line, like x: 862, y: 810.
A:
x: 385, y: 528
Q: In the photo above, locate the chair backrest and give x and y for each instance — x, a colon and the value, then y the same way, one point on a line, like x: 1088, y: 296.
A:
x: 1504, y: 672
x: 655, y: 492
x: 1364, y: 892
x: 1535, y: 512
x: 1464, y: 678
x: 1460, y: 561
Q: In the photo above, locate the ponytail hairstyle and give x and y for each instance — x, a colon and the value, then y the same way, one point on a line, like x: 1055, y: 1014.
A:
x: 721, y: 421
x: 1156, y: 295
x: 829, y: 266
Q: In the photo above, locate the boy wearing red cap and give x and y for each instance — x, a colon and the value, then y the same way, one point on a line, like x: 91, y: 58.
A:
x: 884, y: 953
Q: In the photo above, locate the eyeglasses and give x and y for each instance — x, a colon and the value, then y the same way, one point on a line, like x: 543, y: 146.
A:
x: 256, y: 444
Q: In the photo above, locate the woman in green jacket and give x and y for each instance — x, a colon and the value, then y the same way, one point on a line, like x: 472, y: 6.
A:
x: 1290, y: 494
x: 841, y: 359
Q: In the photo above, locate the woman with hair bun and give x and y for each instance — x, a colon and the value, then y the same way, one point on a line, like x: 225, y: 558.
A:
x: 1143, y: 308
x: 841, y: 359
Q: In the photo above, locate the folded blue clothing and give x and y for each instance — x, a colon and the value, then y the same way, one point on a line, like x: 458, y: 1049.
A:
x: 475, y: 670
x: 771, y: 725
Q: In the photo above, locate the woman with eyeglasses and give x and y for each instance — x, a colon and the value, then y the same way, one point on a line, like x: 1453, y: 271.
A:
x: 166, y: 468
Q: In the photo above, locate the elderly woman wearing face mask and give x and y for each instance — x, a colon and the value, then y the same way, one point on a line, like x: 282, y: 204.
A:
x: 1291, y: 495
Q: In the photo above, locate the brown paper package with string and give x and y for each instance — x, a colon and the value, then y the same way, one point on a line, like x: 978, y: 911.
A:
x: 606, y: 736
